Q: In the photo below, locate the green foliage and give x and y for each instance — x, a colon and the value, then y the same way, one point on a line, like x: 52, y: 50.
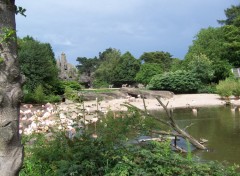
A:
x: 222, y: 70
x: 109, y: 61
x: 111, y: 153
x: 231, y: 45
x: 236, y: 90
x: 125, y: 70
x: 100, y: 84
x: 38, y: 64
x: 233, y: 16
x: 209, y: 42
x: 7, y: 35
x: 201, y: 66
x: 1, y: 60
x: 209, y: 88
x: 159, y: 57
x: 72, y: 94
x: 20, y: 10
x: 147, y: 71
x: 87, y: 65
x: 38, y: 96
x: 179, y: 82
x: 72, y: 84
x: 225, y: 88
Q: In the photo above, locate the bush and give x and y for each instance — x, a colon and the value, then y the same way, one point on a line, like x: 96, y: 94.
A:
x: 207, y: 88
x: 178, y: 82
x: 100, y: 84
x: 111, y: 153
x: 225, y: 88
x: 72, y: 84
x: 147, y: 71
x: 72, y: 94
x: 228, y: 87
x: 38, y: 96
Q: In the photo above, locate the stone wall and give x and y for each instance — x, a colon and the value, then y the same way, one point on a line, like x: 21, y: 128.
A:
x: 66, y: 70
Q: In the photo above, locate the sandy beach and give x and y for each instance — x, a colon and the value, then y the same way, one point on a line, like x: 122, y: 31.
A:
x: 177, y: 101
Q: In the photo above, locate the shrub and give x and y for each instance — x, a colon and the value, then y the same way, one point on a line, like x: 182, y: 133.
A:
x: 147, y: 71
x: 72, y: 84
x: 236, y: 90
x: 211, y: 88
x: 111, y: 153
x: 100, y: 84
x: 225, y: 88
x: 179, y: 82
x: 39, y: 95
x: 72, y: 94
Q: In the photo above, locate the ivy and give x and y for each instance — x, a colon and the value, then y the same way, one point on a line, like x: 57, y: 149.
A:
x: 7, y: 35
x: 1, y: 60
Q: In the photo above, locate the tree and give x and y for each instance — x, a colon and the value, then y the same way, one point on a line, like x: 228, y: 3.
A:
x: 233, y: 16
x: 159, y: 57
x: 180, y: 81
x: 208, y: 42
x: 109, y: 61
x: 232, y: 45
x: 32, y: 56
x: 212, y: 43
x: 201, y: 66
x: 147, y: 71
x: 126, y: 70
x: 11, y: 150
x: 87, y: 65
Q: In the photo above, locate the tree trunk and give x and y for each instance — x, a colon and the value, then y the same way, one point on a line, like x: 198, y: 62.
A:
x: 176, y: 128
x: 11, y: 150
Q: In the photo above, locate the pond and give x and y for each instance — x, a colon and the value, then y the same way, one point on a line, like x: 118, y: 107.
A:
x: 220, y: 126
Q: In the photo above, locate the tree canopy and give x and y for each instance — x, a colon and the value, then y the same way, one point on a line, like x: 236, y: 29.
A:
x: 37, y: 63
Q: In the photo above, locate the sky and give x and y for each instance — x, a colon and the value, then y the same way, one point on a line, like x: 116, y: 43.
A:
x: 83, y: 28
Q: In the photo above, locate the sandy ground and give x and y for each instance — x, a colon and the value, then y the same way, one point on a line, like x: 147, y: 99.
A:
x: 178, y: 101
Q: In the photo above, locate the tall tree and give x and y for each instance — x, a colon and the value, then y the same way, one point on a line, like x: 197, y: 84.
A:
x: 126, y: 70
x: 158, y: 57
x: 11, y: 150
x: 87, y: 65
x: 233, y: 16
x: 109, y: 61
x: 212, y: 42
x: 147, y: 71
x: 32, y: 56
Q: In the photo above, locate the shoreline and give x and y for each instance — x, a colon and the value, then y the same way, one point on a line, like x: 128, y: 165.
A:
x: 177, y: 101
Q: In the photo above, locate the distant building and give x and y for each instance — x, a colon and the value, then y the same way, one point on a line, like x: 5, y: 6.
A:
x: 236, y: 72
x: 66, y: 70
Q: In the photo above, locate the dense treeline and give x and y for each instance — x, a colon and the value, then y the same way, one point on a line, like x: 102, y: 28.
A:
x: 211, y: 56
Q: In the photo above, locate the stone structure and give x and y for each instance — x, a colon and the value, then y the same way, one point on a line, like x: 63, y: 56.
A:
x: 66, y: 70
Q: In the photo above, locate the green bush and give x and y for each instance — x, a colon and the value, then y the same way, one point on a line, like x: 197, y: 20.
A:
x: 110, y: 155
x: 178, y: 82
x: 147, y: 71
x: 72, y: 84
x: 236, y: 90
x: 207, y: 88
x: 38, y: 96
x: 225, y: 88
x: 100, y: 84
x: 72, y: 94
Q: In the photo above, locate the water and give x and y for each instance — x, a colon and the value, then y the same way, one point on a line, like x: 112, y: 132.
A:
x: 220, y: 126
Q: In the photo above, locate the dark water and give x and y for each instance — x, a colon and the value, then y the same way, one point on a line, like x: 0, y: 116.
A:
x: 220, y: 126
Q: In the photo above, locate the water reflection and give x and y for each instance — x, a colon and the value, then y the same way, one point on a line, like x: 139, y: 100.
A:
x: 219, y: 125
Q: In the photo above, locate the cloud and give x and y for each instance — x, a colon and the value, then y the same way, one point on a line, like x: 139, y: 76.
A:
x: 85, y: 28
